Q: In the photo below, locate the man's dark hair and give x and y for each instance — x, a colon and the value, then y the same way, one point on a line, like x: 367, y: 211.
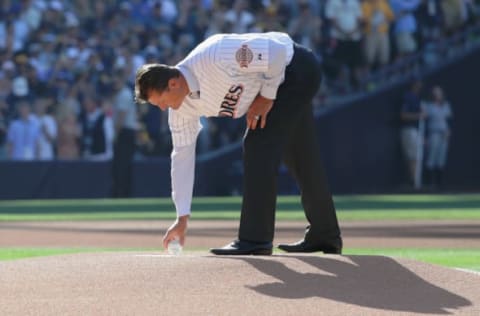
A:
x: 153, y: 77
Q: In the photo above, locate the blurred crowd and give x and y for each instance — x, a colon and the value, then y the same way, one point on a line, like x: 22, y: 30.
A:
x: 67, y: 67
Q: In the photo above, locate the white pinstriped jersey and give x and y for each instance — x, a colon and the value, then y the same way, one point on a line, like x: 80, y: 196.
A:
x: 224, y: 75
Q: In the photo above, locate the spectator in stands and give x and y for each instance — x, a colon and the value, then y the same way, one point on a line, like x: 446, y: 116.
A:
x: 430, y: 29
x: 162, y: 30
x: 3, y: 127
x: 274, y: 17
x: 192, y: 20
x: 71, y: 101
x: 345, y: 17
x: 48, y: 130
x: 125, y: 123
x: 455, y: 14
x: 169, y: 11
x: 439, y: 113
x: 97, y: 131
x: 377, y: 16
x: 7, y: 70
x: 146, y: 141
x: 5, y: 89
x: 218, y: 22
x: 405, y: 25
x: 68, y: 136
x: 153, y: 135
x: 75, y: 47
x: 411, y: 114
x: 17, y: 31
x: 20, y: 91
x: 23, y: 134
x: 31, y: 14
x: 240, y: 17
x: 305, y: 29
x: 471, y: 11
x: 431, y: 18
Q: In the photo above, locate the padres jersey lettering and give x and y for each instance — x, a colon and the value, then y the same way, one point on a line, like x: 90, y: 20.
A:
x: 229, y: 104
x: 225, y: 73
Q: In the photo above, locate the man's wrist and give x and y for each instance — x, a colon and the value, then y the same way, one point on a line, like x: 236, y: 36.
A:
x: 183, y: 218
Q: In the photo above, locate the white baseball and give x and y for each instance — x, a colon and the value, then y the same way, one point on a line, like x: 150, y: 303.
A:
x: 174, y: 247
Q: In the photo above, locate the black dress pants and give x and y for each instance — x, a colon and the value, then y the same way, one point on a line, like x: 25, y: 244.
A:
x: 289, y: 135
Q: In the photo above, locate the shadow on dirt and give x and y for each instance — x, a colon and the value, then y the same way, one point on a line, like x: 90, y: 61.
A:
x: 370, y: 281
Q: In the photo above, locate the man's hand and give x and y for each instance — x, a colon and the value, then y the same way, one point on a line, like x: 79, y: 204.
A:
x: 176, y: 231
x: 258, y: 111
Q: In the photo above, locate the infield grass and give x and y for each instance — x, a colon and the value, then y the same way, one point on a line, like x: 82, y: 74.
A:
x: 349, y: 208
x: 454, y: 258
x: 353, y: 207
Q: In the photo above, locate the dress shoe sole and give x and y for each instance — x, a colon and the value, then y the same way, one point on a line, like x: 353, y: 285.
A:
x: 256, y: 252
x: 309, y: 250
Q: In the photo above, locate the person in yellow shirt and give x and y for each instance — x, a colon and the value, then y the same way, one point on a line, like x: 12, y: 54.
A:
x: 377, y: 16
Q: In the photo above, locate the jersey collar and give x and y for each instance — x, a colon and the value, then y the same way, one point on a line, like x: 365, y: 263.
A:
x: 192, y: 82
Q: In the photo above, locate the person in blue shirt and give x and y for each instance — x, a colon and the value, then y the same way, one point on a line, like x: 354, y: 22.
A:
x: 405, y: 25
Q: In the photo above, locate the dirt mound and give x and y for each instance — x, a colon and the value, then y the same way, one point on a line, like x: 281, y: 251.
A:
x: 149, y: 283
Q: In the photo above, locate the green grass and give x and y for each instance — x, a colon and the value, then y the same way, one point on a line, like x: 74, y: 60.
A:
x: 22, y: 253
x: 235, y: 215
x: 455, y: 258
x: 353, y: 207
x: 350, y: 208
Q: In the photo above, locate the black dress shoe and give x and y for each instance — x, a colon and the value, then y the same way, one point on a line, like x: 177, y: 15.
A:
x: 239, y: 247
x: 303, y: 246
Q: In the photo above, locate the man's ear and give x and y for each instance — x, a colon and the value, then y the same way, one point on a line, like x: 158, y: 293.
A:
x: 173, y: 83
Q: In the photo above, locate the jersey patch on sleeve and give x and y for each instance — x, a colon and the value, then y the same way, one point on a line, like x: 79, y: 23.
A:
x: 244, y: 55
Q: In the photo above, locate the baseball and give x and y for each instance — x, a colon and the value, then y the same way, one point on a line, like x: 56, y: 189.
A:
x: 174, y: 247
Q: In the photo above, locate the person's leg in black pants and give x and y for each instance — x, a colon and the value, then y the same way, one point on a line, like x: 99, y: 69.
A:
x: 289, y: 121
x: 302, y: 157
x: 261, y: 160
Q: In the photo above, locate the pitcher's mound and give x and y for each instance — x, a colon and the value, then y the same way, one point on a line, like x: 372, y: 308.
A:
x: 144, y: 283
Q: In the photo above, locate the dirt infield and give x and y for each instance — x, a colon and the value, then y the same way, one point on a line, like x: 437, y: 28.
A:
x: 197, y: 284
x: 206, y: 234
x: 153, y: 283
